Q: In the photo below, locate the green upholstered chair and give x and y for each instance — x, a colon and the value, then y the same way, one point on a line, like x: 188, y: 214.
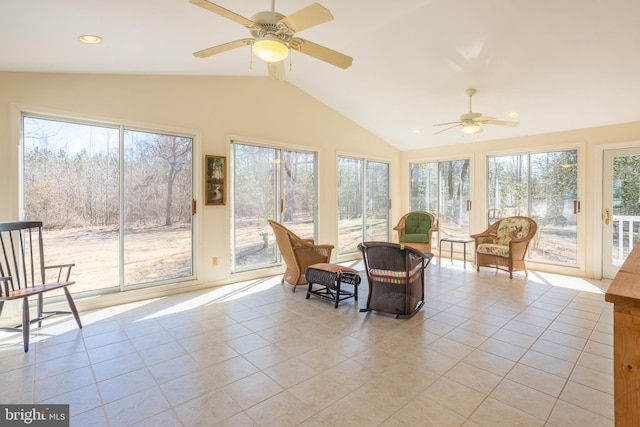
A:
x: 415, y: 228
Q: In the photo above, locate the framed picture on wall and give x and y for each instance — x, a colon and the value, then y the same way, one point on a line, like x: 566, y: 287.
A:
x: 215, y: 174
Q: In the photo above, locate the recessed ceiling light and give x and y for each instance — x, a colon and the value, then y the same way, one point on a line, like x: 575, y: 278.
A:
x: 90, y: 39
x: 513, y: 114
x: 416, y: 131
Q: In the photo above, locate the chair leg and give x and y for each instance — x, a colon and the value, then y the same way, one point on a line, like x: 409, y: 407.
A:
x: 72, y: 305
x: 25, y: 323
x: 40, y: 305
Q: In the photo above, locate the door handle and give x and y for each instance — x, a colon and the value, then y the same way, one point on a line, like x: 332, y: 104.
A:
x: 606, y: 216
x: 468, y: 205
x: 576, y: 207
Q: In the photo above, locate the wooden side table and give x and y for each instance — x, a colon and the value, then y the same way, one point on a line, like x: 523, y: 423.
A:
x: 451, y: 241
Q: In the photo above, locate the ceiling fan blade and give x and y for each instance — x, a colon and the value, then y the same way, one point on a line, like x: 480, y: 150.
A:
x: 450, y: 127
x: 501, y: 123
x: 322, y: 53
x: 447, y: 123
x: 223, y: 12
x: 222, y: 48
x: 276, y: 70
x: 307, y: 17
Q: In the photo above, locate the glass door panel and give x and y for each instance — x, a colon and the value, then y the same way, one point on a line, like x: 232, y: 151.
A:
x: 377, y: 202
x: 442, y: 188
x: 621, y: 210
x: 158, y: 179
x: 299, y: 196
x: 71, y: 178
x: 454, y: 200
x: 350, y: 213
x: 255, y: 182
x: 553, y: 189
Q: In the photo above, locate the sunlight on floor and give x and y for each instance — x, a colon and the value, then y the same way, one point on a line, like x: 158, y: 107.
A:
x: 569, y: 282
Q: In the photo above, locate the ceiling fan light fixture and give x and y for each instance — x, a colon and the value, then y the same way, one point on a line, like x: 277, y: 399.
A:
x: 270, y: 49
x: 471, y: 128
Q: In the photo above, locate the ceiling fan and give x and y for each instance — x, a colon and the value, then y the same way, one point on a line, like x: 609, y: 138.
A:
x: 273, y: 35
x: 471, y: 121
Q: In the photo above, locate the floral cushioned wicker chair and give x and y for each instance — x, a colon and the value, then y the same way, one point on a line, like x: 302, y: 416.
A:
x: 504, y: 244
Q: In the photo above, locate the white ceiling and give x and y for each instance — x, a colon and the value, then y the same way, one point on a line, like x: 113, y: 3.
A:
x: 563, y: 64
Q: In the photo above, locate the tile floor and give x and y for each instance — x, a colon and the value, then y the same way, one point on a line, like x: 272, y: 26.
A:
x: 484, y: 351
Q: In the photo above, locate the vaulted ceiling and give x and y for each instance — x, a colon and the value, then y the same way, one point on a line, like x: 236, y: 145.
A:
x: 562, y: 65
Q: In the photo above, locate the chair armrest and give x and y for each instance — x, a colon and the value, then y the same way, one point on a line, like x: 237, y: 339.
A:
x: 481, y: 238
x: 60, y: 267
x: 306, y: 255
x: 517, y: 247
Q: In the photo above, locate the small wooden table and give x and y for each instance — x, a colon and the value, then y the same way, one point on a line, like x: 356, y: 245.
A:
x: 452, y: 240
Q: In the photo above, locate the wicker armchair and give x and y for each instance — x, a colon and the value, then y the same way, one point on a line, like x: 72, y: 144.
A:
x: 298, y: 254
x: 504, y: 244
x: 396, y: 277
x: 415, y: 229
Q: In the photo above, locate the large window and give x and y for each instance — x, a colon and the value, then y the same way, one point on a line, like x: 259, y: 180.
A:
x: 269, y: 183
x: 113, y: 200
x: 363, y: 202
x: 542, y: 186
x: 442, y: 188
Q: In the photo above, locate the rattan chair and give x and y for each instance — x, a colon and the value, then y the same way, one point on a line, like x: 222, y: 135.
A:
x: 504, y: 244
x: 298, y: 254
x: 396, y: 277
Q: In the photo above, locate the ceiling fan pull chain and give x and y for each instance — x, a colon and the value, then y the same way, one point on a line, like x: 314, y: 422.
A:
x: 251, y: 59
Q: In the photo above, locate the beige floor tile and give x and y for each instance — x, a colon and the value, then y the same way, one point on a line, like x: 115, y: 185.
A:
x: 290, y: 372
x: 474, y: 377
x: 424, y: 411
x: 537, y: 379
x: 283, y: 409
x: 497, y: 414
x: 566, y: 414
x: 593, y: 379
x: 455, y: 396
x: 588, y: 398
x: 207, y: 409
x: 550, y: 364
x: 253, y: 389
x: 524, y: 398
x: 490, y: 362
x: 319, y: 391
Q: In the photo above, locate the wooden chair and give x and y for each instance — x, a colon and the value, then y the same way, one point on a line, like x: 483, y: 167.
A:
x: 396, y: 277
x: 22, y: 273
x: 504, y: 244
x: 298, y: 254
x: 415, y: 230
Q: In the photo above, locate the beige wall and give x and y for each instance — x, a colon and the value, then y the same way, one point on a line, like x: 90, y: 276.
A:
x: 257, y: 109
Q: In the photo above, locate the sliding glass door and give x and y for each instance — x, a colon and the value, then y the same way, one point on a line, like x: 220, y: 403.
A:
x: 269, y: 183
x: 115, y: 201
x: 543, y: 186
